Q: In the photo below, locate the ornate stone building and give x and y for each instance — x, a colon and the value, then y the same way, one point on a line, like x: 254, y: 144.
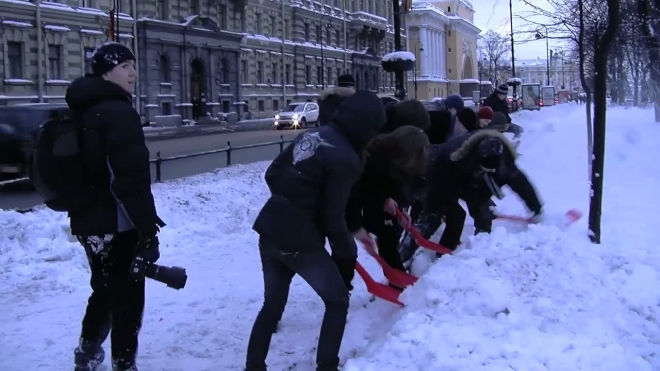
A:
x: 444, y: 39
x: 236, y: 55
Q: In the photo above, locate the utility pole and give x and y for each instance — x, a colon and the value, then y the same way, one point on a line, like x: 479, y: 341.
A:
x: 513, y: 55
x: 400, y: 91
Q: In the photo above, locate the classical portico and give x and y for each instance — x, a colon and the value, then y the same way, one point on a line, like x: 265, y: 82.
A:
x: 427, y: 40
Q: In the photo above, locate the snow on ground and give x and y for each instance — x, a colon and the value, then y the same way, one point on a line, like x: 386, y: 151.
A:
x: 523, y: 299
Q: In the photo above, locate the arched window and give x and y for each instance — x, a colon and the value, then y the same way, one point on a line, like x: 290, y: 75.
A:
x: 164, y: 68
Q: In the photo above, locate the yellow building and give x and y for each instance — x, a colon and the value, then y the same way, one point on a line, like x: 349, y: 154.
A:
x: 443, y: 38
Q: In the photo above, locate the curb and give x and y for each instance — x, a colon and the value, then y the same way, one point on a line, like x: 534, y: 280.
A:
x: 172, y: 133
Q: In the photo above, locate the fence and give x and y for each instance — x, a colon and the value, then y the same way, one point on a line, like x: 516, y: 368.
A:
x: 158, y: 161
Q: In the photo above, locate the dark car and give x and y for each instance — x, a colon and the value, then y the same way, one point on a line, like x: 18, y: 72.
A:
x: 18, y: 126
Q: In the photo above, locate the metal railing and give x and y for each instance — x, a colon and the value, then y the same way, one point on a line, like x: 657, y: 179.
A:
x: 158, y: 161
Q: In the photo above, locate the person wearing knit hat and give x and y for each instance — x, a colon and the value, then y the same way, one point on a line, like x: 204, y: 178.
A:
x: 497, y: 101
x: 485, y: 115
x: 346, y: 80
x: 120, y: 221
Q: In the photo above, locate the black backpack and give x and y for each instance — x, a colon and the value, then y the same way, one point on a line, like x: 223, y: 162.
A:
x: 56, y: 165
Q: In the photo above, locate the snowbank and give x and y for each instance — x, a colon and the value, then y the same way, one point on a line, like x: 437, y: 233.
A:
x: 528, y: 299
x: 543, y: 298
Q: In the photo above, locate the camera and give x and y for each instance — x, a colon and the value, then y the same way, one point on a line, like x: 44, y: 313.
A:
x: 173, y: 277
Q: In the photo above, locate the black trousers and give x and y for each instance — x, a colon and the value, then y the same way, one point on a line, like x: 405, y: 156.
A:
x: 117, y: 300
x: 428, y: 223
x: 388, y: 235
x: 319, y: 270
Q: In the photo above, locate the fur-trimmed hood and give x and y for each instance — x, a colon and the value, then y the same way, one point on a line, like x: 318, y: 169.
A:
x: 340, y: 91
x: 469, y: 145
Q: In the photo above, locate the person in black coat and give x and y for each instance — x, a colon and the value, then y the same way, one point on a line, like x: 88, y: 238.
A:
x: 121, y: 219
x: 331, y: 98
x: 310, y: 183
x: 497, y: 101
x: 393, y: 160
x: 471, y: 167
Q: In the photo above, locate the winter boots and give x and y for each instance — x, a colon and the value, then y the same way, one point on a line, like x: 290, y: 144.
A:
x: 89, y: 356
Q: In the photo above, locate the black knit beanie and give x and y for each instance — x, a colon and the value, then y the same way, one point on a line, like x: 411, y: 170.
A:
x: 108, y: 56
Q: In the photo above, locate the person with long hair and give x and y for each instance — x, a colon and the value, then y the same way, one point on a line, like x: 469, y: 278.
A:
x: 393, y: 160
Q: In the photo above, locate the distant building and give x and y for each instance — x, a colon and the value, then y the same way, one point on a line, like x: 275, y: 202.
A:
x: 235, y: 55
x: 444, y: 39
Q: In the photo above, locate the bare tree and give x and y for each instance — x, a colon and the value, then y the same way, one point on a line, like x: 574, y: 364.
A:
x: 601, y: 52
x: 493, y: 49
x: 649, y: 16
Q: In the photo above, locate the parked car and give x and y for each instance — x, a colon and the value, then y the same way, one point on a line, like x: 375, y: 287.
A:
x: 18, y: 127
x: 297, y: 115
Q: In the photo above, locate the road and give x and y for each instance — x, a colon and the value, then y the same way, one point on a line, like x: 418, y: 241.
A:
x: 22, y: 197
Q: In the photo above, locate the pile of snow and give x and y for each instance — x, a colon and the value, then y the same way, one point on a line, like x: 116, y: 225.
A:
x: 400, y: 55
x: 521, y: 298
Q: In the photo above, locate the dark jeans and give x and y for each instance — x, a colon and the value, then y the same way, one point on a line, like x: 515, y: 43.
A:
x: 117, y: 300
x: 319, y: 270
x: 388, y: 234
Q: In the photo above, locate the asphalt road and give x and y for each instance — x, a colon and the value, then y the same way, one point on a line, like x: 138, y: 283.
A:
x: 22, y: 197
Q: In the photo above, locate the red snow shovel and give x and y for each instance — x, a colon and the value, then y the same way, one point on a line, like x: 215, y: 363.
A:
x: 571, y: 216
x: 423, y: 242
x: 394, y: 276
x: 378, y: 289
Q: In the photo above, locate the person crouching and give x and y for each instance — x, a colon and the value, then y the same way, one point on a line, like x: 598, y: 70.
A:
x: 310, y: 183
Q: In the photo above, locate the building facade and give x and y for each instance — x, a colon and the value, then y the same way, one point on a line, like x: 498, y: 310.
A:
x: 248, y: 56
x: 444, y: 39
x: 563, y: 73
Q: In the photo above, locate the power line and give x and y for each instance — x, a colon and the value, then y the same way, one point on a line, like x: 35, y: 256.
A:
x: 492, y: 13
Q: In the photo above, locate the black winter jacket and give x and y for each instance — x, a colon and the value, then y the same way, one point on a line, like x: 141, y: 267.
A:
x: 451, y: 174
x: 116, y: 161
x: 329, y: 100
x: 310, y: 182
x: 498, y: 105
x: 376, y: 185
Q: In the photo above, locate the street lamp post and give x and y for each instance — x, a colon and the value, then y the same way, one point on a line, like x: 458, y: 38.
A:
x: 419, y: 46
x: 328, y: 26
x: 539, y: 36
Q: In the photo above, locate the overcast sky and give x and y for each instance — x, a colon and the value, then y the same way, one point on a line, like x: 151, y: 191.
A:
x: 494, y: 14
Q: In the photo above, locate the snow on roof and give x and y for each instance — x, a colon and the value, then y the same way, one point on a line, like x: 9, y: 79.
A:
x: 514, y: 79
x: 400, y: 55
x: 470, y: 81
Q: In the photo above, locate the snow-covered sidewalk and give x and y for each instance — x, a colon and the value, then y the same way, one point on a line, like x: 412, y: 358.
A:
x: 519, y: 299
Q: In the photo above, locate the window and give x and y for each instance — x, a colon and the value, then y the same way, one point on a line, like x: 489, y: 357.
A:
x: 260, y: 72
x: 288, y: 102
x: 166, y: 108
x: 161, y: 9
x: 288, y: 74
x: 222, y: 16
x: 308, y: 75
x: 244, y: 72
x: 449, y: 33
x: 328, y: 35
x: 86, y: 3
x: 262, y: 106
x: 287, y: 29
x: 319, y: 34
x: 319, y: 75
x: 15, y: 56
x: 89, y: 52
x: 164, y: 67
x: 54, y: 62
x: 274, y: 73
x: 194, y: 7
x: 338, y: 39
x: 225, y: 106
x: 276, y: 105
x: 328, y: 76
x: 449, y: 9
x: 258, y: 26
x: 307, y: 33
x: 273, y: 26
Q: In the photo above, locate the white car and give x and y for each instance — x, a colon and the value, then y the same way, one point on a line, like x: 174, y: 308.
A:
x: 297, y: 115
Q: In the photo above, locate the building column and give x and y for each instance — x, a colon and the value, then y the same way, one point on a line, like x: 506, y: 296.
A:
x: 423, y: 60
x: 443, y: 56
x: 438, y: 65
x: 435, y: 53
